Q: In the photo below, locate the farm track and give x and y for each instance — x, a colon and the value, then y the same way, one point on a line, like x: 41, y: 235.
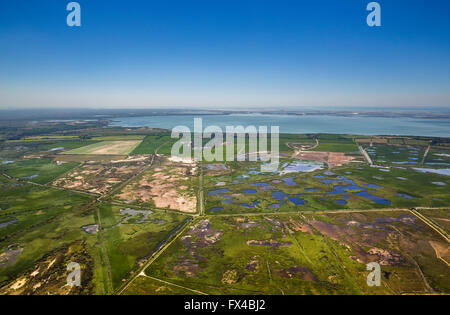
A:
x: 104, y: 252
x: 366, y: 155
x: 298, y: 151
x: 141, y: 270
x: 425, y: 154
x: 142, y: 274
x: 431, y: 224
x: 182, y: 230
x: 6, y: 175
x: 338, y: 258
x: 201, y: 210
x: 123, y: 184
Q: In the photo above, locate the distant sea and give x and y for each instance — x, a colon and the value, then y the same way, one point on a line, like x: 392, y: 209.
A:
x: 352, y: 124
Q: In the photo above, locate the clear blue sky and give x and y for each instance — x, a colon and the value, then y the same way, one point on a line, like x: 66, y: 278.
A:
x: 217, y: 53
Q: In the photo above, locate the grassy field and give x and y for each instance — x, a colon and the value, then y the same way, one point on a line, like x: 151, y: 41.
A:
x: 119, y: 138
x: 295, y: 254
x: 41, y: 171
x: 163, y: 141
x: 129, y: 239
x: 336, y: 143
x: 40, y: 227
x: 107, y: 148
x: 147, y: 286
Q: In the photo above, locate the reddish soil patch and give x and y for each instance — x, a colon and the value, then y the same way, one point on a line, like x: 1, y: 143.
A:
x: 331, y: 158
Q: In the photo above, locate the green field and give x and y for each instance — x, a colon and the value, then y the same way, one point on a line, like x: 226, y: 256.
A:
x: 39, y: 226
x: 128, y: 240
x: 163, y: 142
x: 41, y: 171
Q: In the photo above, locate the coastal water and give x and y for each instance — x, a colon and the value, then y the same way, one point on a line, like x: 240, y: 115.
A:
x: 352, y: 124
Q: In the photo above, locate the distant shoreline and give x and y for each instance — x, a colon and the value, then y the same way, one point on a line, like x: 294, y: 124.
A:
x: 108, y: 114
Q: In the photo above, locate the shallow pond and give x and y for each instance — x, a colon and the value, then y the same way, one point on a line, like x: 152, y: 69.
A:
x: 373, y: 186
x: 248, y: 205
x: 218, y: 191
x: 278, y: 194
x: 405, y: 196
x: 444, y: 171
x: 300, y: 166
x: 215, y: 209
x: 296, y: 201
x: 375, y: 199
x: 5, y: 224
x: 289, y: 181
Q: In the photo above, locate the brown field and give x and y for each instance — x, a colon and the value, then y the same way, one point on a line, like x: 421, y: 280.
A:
x: 99, y: 178
x: 168, y: 185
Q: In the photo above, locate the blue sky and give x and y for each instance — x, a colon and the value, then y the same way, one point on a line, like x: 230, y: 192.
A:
x: 224, y: 54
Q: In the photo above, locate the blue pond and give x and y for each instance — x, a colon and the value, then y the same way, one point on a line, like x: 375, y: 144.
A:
x: 405, y: 196
x: 296, y: 200
x: 375, y: 199
x: 288, y: 181
x: 261, y: 184
x: 248, y: 205
x: 218, y: 191
x: 249, y: 191
x: 310, y: 189
x: 340, y: 202
x: 300, y: 166
x: 279, y: 195
x: 373, y: 186
x: 32, y: 176
x: 214, y: 209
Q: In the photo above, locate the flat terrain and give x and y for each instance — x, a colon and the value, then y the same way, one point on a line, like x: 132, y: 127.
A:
x: 107, y: 148
x: 167, y: 185
x: 41, y: 171
x: 305, y: 254
x: 139, y: 222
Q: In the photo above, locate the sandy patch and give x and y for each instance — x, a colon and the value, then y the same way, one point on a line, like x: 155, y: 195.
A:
x: 167, y: 187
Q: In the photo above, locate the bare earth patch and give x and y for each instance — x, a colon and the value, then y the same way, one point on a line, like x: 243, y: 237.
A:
x: 99, y: 178
x: 333, y: 159
x: 166, y: 186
